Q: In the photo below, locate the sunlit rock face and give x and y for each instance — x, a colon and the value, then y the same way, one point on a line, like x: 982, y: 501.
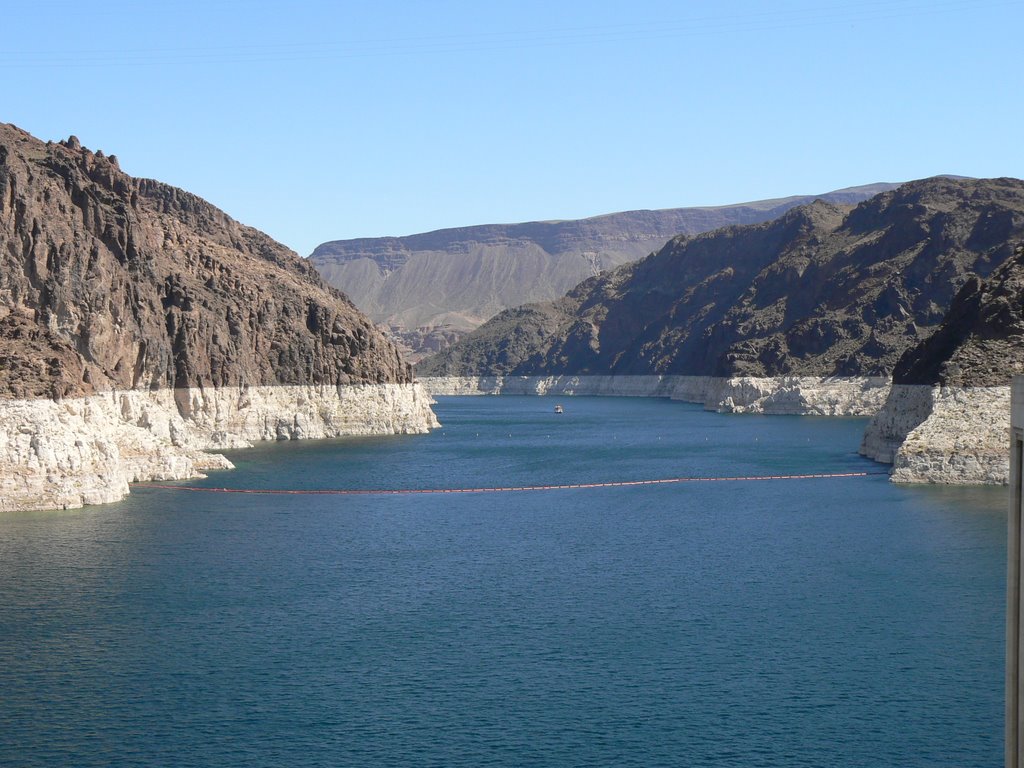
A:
x: 205, y: 332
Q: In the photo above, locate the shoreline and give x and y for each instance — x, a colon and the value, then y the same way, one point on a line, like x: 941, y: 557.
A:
x: 784, y: 395
x: 928, y: 434
x: 80, y: 451
x: 948, y: 435
x: 77, y: 451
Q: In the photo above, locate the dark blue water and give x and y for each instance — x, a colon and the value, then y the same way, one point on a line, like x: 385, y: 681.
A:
x: 790, y: 623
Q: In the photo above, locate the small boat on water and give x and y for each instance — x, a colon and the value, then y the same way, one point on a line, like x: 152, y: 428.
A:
x: 559, y: 409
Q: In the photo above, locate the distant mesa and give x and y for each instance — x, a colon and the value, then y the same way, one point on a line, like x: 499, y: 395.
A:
x: 453, y: 280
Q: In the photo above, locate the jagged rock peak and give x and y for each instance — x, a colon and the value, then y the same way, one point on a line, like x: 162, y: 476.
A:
x: 110, y: 281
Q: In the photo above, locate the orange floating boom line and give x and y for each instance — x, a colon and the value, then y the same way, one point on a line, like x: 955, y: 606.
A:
x: 507, y: 489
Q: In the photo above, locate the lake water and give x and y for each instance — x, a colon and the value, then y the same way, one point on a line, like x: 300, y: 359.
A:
x: 841, y: 622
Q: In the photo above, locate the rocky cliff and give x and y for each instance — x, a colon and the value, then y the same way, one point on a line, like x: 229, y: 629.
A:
x: 948, y: 415
x: 112, y: 284
x: 924, y: 281
x: 822, y: 291
x: 458, y: 278
x: 980, y: 342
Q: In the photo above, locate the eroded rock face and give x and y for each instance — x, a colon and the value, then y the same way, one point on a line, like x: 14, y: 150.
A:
x: 140, y: 327
x: 822, y: 291
x: 947, y: 418
x: 111, y: 282
x: 943, y: 434
x: 86, y: 450
x: 458, y: 278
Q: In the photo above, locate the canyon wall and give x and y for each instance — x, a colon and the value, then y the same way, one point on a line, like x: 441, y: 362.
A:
x: 140, y: 326
x: 86, y: 450
x: 943, y: 434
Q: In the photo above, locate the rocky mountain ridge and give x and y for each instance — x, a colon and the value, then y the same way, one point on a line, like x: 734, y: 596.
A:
x: 824, y: 290
x: 458, y: 278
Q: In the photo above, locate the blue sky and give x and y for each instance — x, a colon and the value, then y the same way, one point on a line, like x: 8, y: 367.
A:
x: 316, y: 121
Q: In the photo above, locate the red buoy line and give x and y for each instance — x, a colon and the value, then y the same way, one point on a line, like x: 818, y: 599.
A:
x: 505, y: 489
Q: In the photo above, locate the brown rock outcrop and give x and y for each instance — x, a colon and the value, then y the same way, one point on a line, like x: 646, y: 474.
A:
x: 822, y: 291
x: 458, y: 278
x: 140, y: 326
x: 981, y: 341
x: 112, y: 282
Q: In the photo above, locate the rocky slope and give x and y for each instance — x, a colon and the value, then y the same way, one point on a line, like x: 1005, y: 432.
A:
x: 947, y: 416
x: 981, y: 340
x: 111, y: 284
x: 924, y: 282
x: 457, y: 278
x: 822, y: 291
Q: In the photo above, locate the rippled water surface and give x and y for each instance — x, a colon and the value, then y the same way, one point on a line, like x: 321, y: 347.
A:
x: 787, y: 623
